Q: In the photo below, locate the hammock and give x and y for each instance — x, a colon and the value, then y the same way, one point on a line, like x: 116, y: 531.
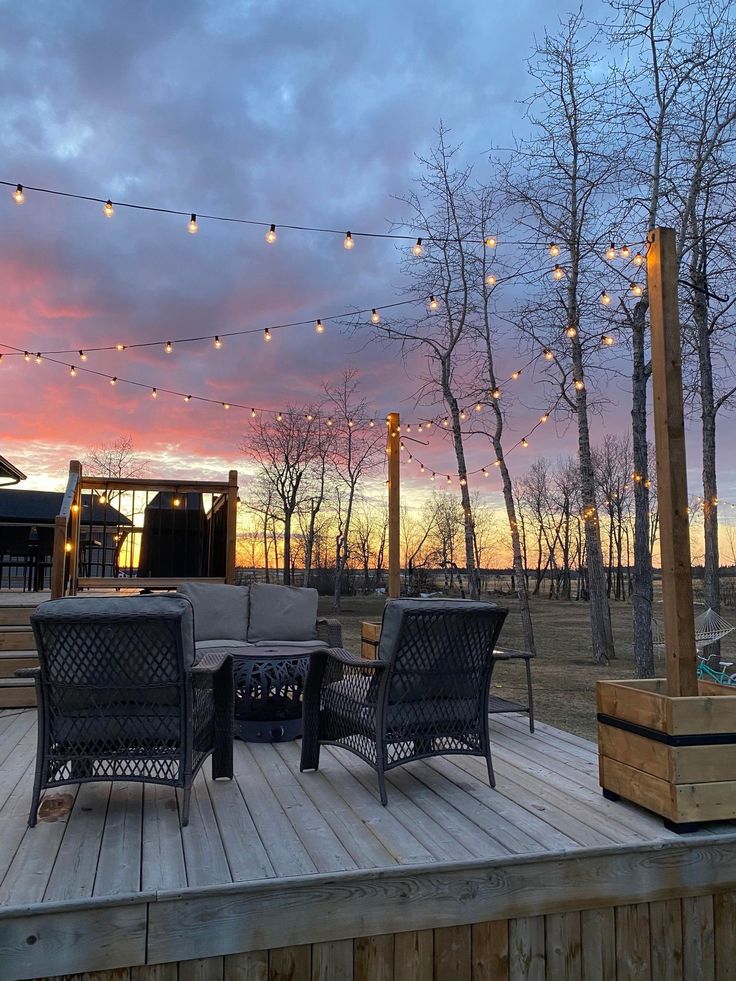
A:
x: 709, y: 627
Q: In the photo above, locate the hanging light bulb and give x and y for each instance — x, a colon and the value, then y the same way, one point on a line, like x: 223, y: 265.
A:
x: 319, y: 327
x: 636, y: 289
x: 26, y: 356
x: 350, y: 423
x: 554, y: 249
x: 484, y: 472
x: 113, y: 380
x: 176, y: 501
x: 329, y: 421
x: 625, y: 252
x: 108, y: 210
x: 18, y: 195
x: 428, y: 424
x: 490, y: 241
x: 607, y: 340
x: 496, y: 393
x: 193, y: 227
x: 433, y: 303
x: 445, y: 422
x: 226, y: 405
x: 169, y: 347
x: 82, y: 356
x: 119, y: 347
x: 638, y: 259
x: 611, y: 251
x: 605, y: 299
x: 463, y: 415
x: 371, y: 424
x: 154, y: 393
x: 187, y: 398
x: 271, y: 235
x: 433, y: 477
x: 417, y: 249
x: 579, y: 384
x: 516, y: 374
x: 266, y: 334
x: 449, y: 479
x: 548, y: 355
x: 525, y: 442
x: 558, y: 273
x: 217, y: 342
x: 478, y: 407
x: 496, y: 463
x: 491, y: 280
x: 421, y: 470
x: 463, y: 482
x: 73, y: 371
x: 38, y: 357
x: 252, y: 413
x: 544, y: 418
x: 571, y: 331
x: 375, y: 316
x: 348, y: 243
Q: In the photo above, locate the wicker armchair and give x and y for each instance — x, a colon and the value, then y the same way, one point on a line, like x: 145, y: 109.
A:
x: 425, y: 695
x: 120, y: 697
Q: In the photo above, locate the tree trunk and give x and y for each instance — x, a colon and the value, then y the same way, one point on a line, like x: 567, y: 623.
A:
x: 287, y: 547
x: 522, y: 592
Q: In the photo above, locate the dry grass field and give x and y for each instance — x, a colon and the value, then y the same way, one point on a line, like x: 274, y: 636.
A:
x: 564, y: 673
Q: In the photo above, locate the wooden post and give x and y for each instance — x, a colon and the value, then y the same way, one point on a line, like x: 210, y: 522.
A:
x: 394, y: 502
x: 669, y: 434
x: 232, y: 521
x: 74, y: 527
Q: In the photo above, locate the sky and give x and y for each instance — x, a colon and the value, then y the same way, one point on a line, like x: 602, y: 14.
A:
x: 302, y: 113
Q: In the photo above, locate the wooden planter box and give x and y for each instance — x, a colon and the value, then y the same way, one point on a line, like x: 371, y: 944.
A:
x: 674, y: 756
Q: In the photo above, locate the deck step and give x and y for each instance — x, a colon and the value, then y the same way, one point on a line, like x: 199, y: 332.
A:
x: 15, y: 616
x: 11, y: 661
x: 16, y: 639
x: 17, y: 693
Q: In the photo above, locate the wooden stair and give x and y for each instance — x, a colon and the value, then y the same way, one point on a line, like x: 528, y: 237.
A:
x: 17, y: 650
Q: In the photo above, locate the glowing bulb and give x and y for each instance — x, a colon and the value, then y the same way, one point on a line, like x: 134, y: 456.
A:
x: 496, y: 463
x: 348, y: 243
x: 433, y: 477
x: 280, y: 417
x: 319, y: 327
x: 463, y: 482
x: 119, y: 347
x: 108, y: 210
x: 478, y: 407
x: 433, y: 303
x: 271, y: 235
x: 154, y: 393
x: 371, y: 424
x: 176, y: 502
x: 428, y: 424
x: 75, y: 509
x: 515, y: 375
x: 638, y: 259
x: 217, y: 343
x: 350, y: 423
x: 169, y: 347
x: 193, y: 227
x: 496, y: 393
x: 73, y: 371
x: 636, y: 289
x: 226, y: 405
x: 625, y: 252
x: 103, y: 498
x: 329, y: 421
x: 463, y: 415
x: 490, y: 241
x: 449, y: 479
x: 18, y: 195
x: 375, y: 316
x: 417, y: 249
x: 548, y: 355
x: 484, y: 472
x: 607, y: 340
x: 38, y: 357
x: 445, y: 422
x: 67, y: 546
x: 113, y: 381
x: 605, y: 299
x: 26, y: 356
x: 491, y: 280
x: 267, y: 334
x: 525, y: 442
x: 571, y: 332
x: 611, y: 251
x: 82, y: 356
x: 187, y: 398
x: 558, y: 273
x: 554, y: 250
x: 421, y: 469
x: 579, y: 384
x: 544, y: 418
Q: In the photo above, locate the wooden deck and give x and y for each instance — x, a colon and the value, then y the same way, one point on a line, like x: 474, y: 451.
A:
x: 279, y: 859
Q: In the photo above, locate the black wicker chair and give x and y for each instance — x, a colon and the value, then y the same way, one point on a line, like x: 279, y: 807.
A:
x: 119, y: 697
x: 425, y: 695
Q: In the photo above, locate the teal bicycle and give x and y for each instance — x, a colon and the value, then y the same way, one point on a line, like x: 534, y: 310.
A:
x: 723, y: 675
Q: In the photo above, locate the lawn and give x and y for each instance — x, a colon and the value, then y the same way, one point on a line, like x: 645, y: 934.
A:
x: 564, y: 673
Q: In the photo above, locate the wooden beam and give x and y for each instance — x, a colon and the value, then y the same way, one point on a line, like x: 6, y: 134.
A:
x: 394, y: 504
x: 669, y: 435
x: 232, y: 530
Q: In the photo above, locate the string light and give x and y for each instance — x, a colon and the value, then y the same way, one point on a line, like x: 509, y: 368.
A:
x: 611, y: 251
x: 636, y: 289
x: 271, y: 235
x: 543, y: 418
x: 266, y: 334
x: 607, y: 340
x: 433, y: 304
x: 484, y: 472
x: 154, y: 393
x: 491, y: 280
x: 625, y: 252
x: 226, y: 405
x: 570, y: 332
x: 18, y: 195
x: 319, y: 327
x: 375, y: 316
x: 252, y: 413
x: 217, y: 342
x: 193, y: 227
x: 329, y: 421
x: 108, y: 210
x: 579, y: 384
x: 516, y: 374
x: 417, y: 249
x: 445, y: 422
x: 114, y: 380
x: 548, y: 355
x: 463, y: 415
x: 490, y: 241
x: 638, y: 259
x: 605, y: 299
x: 280, y: 417
x: 73, y: 371
x: 478, y: 407
x: 169, y: 347
x: 82, y: 356
x: 558, y: 273
x: 348, y: 243
x: 119, y: 347
x: 371, y: 424
x: 525, y: 442
x: 496, y: 393
x: 26, y: 356
x: 187, y: 398
x: 38, y: 357
x: 554, y: 249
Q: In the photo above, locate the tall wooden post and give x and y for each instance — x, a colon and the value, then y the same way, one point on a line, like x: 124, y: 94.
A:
x: 669, y: 434
x: 231, y: 526
x: 394, y: 502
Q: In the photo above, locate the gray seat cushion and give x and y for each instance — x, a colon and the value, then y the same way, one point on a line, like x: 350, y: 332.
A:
x: 282, y: 613
x: 240, y: 646
x: 304, y: 645
x: 220, y: 610
x: 348, y: 698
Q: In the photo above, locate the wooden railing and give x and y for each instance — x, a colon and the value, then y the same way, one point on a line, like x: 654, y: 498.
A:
x: 125, y: 532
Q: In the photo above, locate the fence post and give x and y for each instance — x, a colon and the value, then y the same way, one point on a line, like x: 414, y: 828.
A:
x: 394, y: 504
x: 232, y: 531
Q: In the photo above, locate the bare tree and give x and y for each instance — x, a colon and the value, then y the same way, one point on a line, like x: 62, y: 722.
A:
x: 116, y: 459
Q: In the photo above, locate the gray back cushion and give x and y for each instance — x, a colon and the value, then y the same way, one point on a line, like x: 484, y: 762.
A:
x: 282, y: 613
x: 220, y: 611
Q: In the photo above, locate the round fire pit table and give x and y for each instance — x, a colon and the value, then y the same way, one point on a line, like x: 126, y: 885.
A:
x: 268, y: 685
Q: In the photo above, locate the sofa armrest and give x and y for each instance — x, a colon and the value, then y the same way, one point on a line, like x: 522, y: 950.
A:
x: 330, y: 630
x: 28, y: 673
x: 345, y: 657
